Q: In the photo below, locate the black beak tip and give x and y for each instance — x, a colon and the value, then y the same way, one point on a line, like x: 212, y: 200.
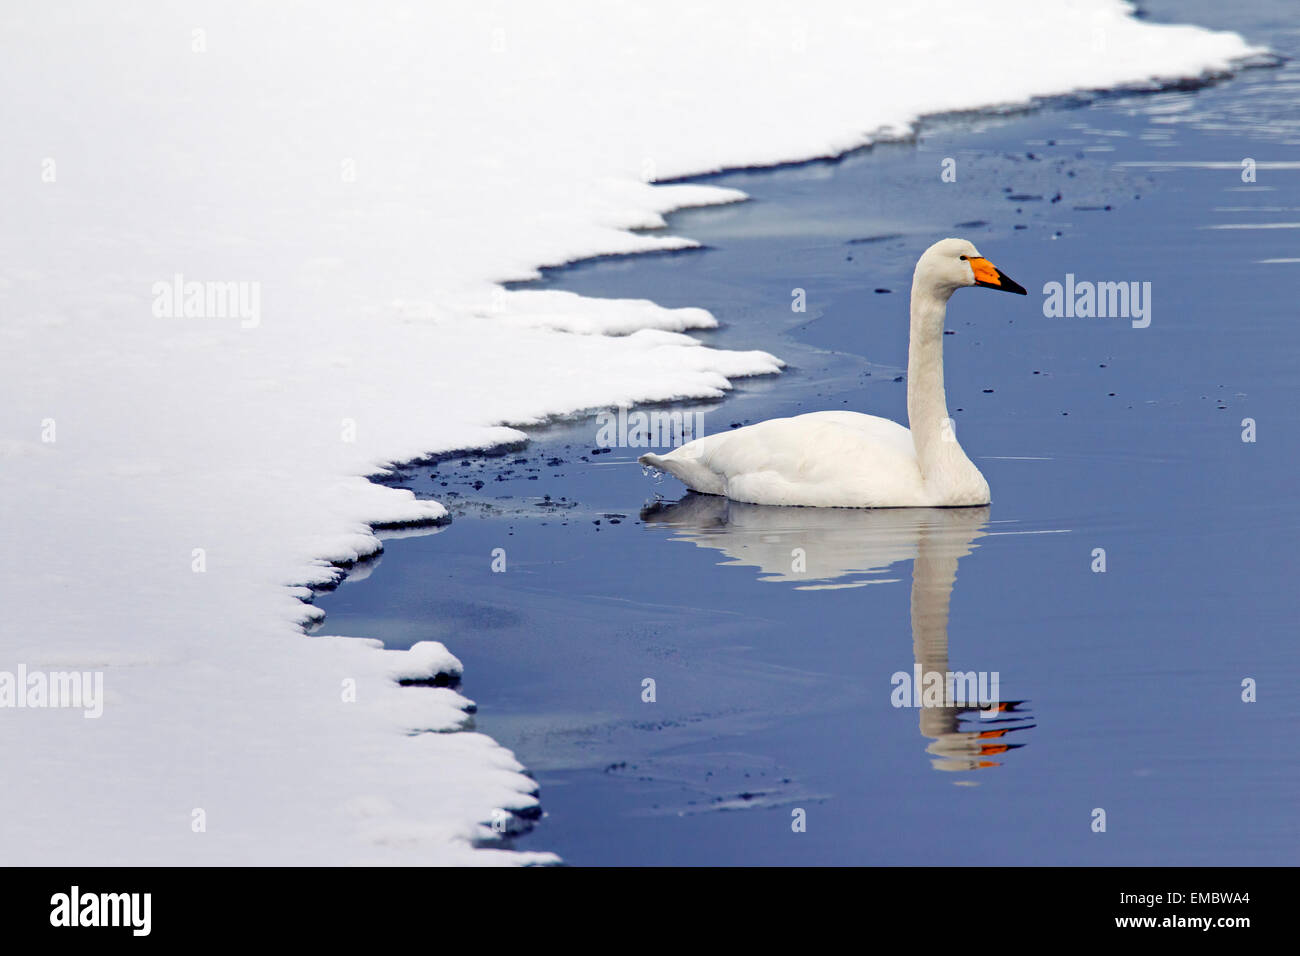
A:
x: 1011, y: 285
x: 1004, y: 283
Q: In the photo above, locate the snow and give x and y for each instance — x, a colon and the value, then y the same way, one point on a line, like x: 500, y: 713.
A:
x: 374, y: 172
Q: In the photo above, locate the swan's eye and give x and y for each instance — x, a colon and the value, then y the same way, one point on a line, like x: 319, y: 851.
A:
x: 963, y: 258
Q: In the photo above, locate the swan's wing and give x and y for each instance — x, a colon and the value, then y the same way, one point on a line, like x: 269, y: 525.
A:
x: 872, y: 426
x: 825, y: 459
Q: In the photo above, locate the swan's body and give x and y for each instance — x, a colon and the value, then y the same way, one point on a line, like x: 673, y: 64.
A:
x: 839, y: 459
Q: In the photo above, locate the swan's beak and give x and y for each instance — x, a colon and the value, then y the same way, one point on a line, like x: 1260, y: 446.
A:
x: 987, y: 274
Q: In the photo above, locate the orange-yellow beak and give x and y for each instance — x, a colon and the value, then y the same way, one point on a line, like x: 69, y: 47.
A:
x: 988, y: 275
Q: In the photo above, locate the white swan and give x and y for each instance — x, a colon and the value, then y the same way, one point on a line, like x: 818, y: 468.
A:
x: 843, y: 459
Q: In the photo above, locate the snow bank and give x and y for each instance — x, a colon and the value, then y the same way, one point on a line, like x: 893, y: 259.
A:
x: 353, y: 182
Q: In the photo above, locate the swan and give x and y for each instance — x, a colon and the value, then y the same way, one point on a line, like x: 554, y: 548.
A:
x: 839, y: 459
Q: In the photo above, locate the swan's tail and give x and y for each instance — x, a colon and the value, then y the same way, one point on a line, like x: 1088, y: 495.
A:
x: 683, y: 463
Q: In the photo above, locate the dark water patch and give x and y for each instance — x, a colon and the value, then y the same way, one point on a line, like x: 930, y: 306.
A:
x: 864, y: 240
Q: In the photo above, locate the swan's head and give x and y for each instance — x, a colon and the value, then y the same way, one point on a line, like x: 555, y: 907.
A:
x: 950, y: 264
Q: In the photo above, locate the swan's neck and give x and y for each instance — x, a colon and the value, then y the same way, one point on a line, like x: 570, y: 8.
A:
x: 927, y: 406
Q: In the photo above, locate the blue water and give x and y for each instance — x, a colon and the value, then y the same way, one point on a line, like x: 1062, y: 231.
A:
x: 773, y: 685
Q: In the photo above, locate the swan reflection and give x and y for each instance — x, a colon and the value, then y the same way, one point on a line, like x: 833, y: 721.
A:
x: 825, y: 548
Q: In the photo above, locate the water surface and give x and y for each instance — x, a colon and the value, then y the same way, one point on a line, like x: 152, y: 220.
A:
x: 773, y: 675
